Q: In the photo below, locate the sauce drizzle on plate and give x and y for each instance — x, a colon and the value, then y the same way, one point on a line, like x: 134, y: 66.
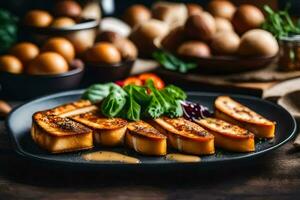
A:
x: 110, y: 157
x: 182, y: 157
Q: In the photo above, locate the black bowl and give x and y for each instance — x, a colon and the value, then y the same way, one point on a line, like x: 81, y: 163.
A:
x: 82, y: 35
x: 24, y: 86
x: 100, y: 72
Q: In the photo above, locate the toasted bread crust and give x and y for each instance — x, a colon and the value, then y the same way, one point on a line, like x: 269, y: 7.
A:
x: 68, y: 107
x: 143, y: 129
x: 59, y: 143
x: 186, y: 136
x: 229, y: 136
x: 58, y: 126
x: 184, y: 128
x: 97, y: 121
x: 224, y: 128
x: 239, y: 112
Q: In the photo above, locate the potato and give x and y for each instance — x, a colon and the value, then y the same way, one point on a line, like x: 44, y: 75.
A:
x: 62, y: 22
x: 194, y: 49
x: 201, y: 27
x: 194, y: 9
x: 38, y: 18
x: 225, y: 43
x: 10, y: 64
x: 136, y: 14
x: 48, y: 63
x: 223, y: 24
x: 145, y: 34
x: 127, y: 49
x: 67, y: 8
x: 221, y: 8
x: 258, y: 42
x: 103, y: 52
x: 61, y: 46
x: 174, y: 38
x: 5, y: 108
x: 247, y: 17
x: 25, y: 51
x: 174, y: 14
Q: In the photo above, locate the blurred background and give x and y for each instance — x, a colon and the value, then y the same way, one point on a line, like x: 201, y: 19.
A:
x: 110, y: 7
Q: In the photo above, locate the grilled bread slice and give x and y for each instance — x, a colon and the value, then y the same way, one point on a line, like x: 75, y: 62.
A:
x: 227, y: 136
x: 73, y: 108
x: 145, y: 139
x: 236, y: 113
x: 57, y: 134
x: 186, y: 136
x: 107, y: 131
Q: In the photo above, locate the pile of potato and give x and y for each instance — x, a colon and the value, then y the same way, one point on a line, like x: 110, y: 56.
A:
x: 189, y: 30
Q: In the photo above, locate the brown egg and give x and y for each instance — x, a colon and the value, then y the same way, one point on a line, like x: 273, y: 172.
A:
x: 247, y: 17
x: 10, y: 64
x: 103, y: 52
x: 25, y: 51
x: 201, y: 27
x: 194, y: 49
x: 136, y: 14
x: 67, y: 8
x: 223, y: 24
x: 225, y: 43
x: 48, y: 63
x: 221, y: 8
x: 61, y: 22
x: 194, y: 9
x: 39, y: 18
x: 61, y: 46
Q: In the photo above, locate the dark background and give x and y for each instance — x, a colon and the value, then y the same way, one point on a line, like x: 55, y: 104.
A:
x: 19, y: 7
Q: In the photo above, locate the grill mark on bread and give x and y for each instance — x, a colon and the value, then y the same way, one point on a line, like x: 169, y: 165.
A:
x: 141, y: 128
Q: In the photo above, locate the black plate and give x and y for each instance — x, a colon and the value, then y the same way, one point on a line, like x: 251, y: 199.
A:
x: 19, y: 123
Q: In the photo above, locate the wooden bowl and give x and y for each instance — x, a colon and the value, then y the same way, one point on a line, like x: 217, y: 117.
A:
x: 230, y: 64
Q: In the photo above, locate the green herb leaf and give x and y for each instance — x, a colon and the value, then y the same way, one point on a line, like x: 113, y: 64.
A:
x: 113, y: 104
x: 279, y: 23
x: 175, y: 92
x: 97, y: 92
x: 132, y: 110
x: 171, y: 62
x: 8, y: 30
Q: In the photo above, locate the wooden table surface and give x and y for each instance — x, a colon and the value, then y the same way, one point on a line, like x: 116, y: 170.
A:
x: 273, y: 176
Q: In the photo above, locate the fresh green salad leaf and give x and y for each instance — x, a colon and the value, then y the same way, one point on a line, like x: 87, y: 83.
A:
x: 167, y: 101
x: 133, y: 102
x: 97, y: 92
x: 8, y: 30
x: 113, y: 104
x: 132, y: 109
x: 171, y: 62
x: 175, y: 92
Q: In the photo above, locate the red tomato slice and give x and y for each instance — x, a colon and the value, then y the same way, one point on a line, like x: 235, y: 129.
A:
x: 133, y: 81
x: 158, y: 82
